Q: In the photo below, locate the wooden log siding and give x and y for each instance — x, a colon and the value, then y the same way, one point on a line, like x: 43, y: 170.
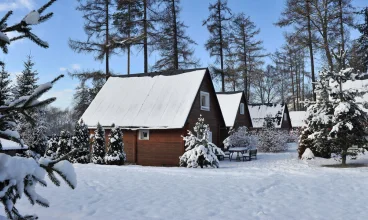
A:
x: 213, y: 117
x: 243, y: 120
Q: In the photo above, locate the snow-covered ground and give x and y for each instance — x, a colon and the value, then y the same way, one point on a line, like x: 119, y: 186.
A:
x: 276, y: 186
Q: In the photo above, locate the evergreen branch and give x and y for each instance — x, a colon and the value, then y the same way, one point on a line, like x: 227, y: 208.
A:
x: 18, y: 37
x: 45, y: 17
x: 5, y: 18
x: 44, y: 7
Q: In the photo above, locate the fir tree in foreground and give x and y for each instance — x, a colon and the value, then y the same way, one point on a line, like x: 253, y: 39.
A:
x: 98, y: 145
x: 200, y: 151
x: 81, y: 143
x: 115, y: 154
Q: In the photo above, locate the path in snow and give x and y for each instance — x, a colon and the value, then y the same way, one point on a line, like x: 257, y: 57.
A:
x: 276, y: 186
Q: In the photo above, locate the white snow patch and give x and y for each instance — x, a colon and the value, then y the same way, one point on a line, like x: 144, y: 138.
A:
x: 32, y: 18
x: 11, y: 145
x: 308, y: 154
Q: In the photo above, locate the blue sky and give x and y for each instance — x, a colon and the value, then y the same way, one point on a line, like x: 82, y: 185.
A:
x: 68, y: 23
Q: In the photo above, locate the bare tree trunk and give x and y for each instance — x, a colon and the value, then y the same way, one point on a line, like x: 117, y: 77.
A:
x: 107, y: 46
x: 245, y: 64
x: 176, y: 53
x: 128, y: 52
x: 221, y: 47
x: 145, y: 39
x: 342, y: 32
x: 292, y: 86
x: 297, y: 71
x: 310, y: 45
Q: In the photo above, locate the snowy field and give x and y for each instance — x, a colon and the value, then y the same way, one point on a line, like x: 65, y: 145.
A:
x: 276, y: 186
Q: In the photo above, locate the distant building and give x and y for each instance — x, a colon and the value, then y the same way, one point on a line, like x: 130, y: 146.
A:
x: 234, y: 108
x: 278, y: 112
x: 155, y: 110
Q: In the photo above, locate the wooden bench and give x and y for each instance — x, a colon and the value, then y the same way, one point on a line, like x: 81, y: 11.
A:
x: 252, y: 153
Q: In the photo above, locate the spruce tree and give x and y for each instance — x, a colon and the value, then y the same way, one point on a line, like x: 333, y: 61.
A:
x: 363, y: 40
x: 64, y: 145
x: 174, y: 45
x: 20, y: 176
x: 218, y: 25
x: 98, y: 145
x: 81, y: 143
x: 5, y: 92
x: 200, y: 152
x: 52, y: 146
x: 115, y: 154
x: 26, y: 82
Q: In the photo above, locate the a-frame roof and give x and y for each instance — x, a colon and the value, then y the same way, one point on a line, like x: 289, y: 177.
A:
x: 151, y: 101
x: 229, y: 103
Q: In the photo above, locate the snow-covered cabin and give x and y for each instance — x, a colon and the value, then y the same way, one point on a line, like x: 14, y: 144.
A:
x: 234, y: 109
x: 279, y: 113
x: 298, y: 118
x: 11, y: 147
x: 155, y: 110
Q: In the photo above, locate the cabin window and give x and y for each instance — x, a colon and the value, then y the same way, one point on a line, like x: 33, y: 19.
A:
x: 205, y: 101
x: 143, y: 134
x: 242, y: 108
x: 285, y: 116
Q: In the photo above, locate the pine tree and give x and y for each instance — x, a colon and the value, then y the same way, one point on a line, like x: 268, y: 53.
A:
x: 52, y: 146
x: 200, y: 151
x: 81, y: 143
x: 82, y: 99
x: 115, y: 154
x: 363, y: 40
x: 39, y: 138
x: 246, y: 47
x: 5, y: 92
x: 20, y: 176
x: 64, y: 145
x: 97, y: 27
x: 128, y: 20
x: 27, y: 81
x: 98, y: 145
x: 217, y: 25
x: 173, y: 45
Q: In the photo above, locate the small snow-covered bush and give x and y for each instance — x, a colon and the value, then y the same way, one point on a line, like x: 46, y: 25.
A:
x: 308, y: 154
x: 80, y: 142
x: 271, y: 139
x: 52, y: 146
x: 115, y: 154
x: 240, y: 137
x: 200, y: 151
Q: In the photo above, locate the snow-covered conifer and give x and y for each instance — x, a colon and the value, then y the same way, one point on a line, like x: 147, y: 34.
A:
x: 115, y: 154
x: 52, y: 146
x: 81, y: 143
x: 98, y: 145
x: 64, y: 145
x: 200, y: 151
x: 5, y: 92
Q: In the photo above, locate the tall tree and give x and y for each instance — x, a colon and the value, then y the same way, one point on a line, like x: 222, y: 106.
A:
x: 363, y: 40
x: 298, y: 13
x: 5, y: 91
x: 243, y: 39
x: 97, y: 15
x: 26, y: 82
x: 217, y: 25
x: 173, y: 45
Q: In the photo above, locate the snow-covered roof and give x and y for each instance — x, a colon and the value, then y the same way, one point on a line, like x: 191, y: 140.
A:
x: 152, y: 102
x: 11, y: 145
x: 298, y: 118
x: 229, y: 103
x: 259, y: 111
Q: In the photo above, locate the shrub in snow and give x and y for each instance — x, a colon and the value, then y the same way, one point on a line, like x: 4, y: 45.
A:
x: 98, y: 145
x: 271, y: 139
x: 80, y: 142
x: 240, y: 137
x: 64, y: 144
x: 52, y: 146
x: 115, y: 154
x: 307, y: 155
x: 200, y: 151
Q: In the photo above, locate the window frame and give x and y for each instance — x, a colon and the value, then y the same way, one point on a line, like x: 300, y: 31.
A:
x: 141, y: 135
x: 242, y: 108
x: 207, y: 95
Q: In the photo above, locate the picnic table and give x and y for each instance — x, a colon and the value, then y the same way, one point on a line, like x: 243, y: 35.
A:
x: 237, y: 150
